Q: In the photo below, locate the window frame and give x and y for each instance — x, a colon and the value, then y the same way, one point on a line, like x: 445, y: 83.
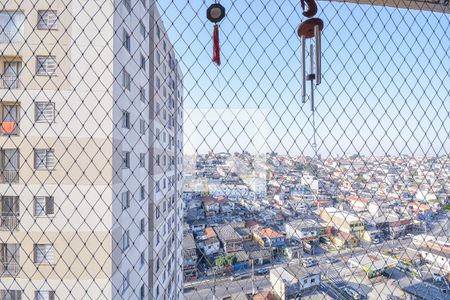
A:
x: 41, y: 14
x: 38, y: 113
x: 46, y: 167
x: 47, y: 212
x: 41, y: 64
x: 45, y: 260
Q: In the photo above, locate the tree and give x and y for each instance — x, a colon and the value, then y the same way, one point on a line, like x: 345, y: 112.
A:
x: 225, y: 261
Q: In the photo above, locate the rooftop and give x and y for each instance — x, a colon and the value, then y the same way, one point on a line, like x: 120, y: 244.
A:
x: 226, y: 233
x: 270, y: 233
x: 335, y: 213
x: 188, y: 241
x: 421, y: 289
x: 373, y: 261
x: 291, y: 274
x: 304, y: 223
x: 209, y: 232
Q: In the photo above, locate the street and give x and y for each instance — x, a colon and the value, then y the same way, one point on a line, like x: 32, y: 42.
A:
x: 338, y: 273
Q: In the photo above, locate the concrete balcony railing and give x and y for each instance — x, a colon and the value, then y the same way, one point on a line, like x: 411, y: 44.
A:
x: 9, y: 223
x: 9, y: 269
x: 9, y: 176
x: 9, y: 82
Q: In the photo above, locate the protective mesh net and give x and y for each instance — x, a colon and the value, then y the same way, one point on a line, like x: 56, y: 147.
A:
x: 133, y: 167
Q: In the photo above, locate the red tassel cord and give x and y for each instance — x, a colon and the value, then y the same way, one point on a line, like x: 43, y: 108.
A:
x: 216, y: 45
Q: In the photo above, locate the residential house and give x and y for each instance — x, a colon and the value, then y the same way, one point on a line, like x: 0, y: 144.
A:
x: 434, y: 250
x: 302, y: 229
x: 393, y: 225
x: 211, y: 206
x: 242, y: 261
x: 358, y: 203
x: 342, y: 239
x: 209, y: 244
x: 291, y: 281
x: 189, y: 257
x: 230, y: 240
x: 260, y: 257
x: 267, y: 237
x: 343, y: 221
x: 419, y: 210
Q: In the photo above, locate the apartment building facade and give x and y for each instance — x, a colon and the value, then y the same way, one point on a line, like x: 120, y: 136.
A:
x: 91, y: 141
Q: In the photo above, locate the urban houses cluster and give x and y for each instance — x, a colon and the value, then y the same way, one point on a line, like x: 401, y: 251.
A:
x: 281, y: 226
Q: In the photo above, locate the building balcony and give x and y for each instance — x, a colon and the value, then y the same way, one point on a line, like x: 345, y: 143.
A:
x: 9, y: 176
x: 9, y: 223
x: 10, y: 82
x: 9, y: 269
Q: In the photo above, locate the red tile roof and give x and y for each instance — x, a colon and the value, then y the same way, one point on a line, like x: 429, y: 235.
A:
x: 208, y: 201
x: 209, y: 232
x: 270, y: 233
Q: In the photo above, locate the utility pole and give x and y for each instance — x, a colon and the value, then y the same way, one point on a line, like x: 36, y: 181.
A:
x: 253, y: 279
x: 214, y: 284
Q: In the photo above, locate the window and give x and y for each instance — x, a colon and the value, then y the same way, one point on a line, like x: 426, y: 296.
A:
x: 44, y: 159
x: 126, y: 160
x: 158, y: 159
x: 142, y: 192
x: 9, y: 119
x: 158, y: 82
x: 45, y: 295
x: 144, y: 3
x: 142, y: 29
x: 142, y: 293
x: 158, y: 32
x: 44, y: 206
x: 126, y: 80
x: 126, y: 281
x: 125, y: 200
x: 142, y: 225
x: 142, y: 126
x: 43, y: 254
x: 158, y: 57
x: 126, y: 41
x: 46, y: 65
x: 11, y: 26
x: 143, y: 61
x: 157, y: 188
x: 126, y: 240
x: 142, y: 160
x: 142, y: 258
x: 142, y: 94
x: 158, y: 213
x: 47, y: 19
x: 127, y: 5
x: 126, y: 119
x: 44, y: 112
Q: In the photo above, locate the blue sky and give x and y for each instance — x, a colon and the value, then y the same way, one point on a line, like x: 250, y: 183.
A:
x: 385, y: 88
